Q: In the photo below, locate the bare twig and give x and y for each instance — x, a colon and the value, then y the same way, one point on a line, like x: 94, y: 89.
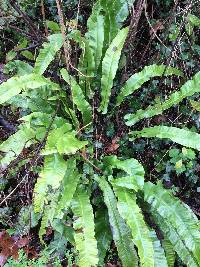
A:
x: 85, y: 126
x: 28, y: 35
x: 44, y: 17
x: 26, y: 48
x: 26, y: 19
x: 148, y: 20
x: 136, y: 14
x: 63, y: 31
x: 181, y: 27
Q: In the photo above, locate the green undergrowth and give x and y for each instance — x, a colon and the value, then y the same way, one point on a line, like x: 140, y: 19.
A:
x: 92, y: 200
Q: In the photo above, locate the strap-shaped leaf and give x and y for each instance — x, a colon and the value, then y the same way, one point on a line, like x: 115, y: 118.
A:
x: 121, y: 233
x: 15, y: 85
x: 138, y: 79
x: 78, y: 97
x: 14, y: 145
x: 48, y: 52
x: 48, y: 214
x: 86, y: 243
x: 188, y: 89
x: 52, y: 174
x: 86, y: 64
x: 115, y: 14
x: 178, y: 245
x: 62, y: 141
x: 135, y: 172
x: 159, y: 253
x: 169, y: 252
x: 132, y: 214
x: 95, y: 34
x: 87, y: 67
x: 103, y: 234
x: 177, y: 135
x: 179, y: 217
x: 70, y: 182
x: 110, y: 66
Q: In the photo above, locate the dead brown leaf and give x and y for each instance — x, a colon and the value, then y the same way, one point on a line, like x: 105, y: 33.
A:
x: 113, y: 146
x: 10, y: 246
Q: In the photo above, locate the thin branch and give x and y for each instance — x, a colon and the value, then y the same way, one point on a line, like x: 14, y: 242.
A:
x: 63, y: 31
x: 44, y: 18
x: 26, y: 19
x: 148, y: 20
x: 26, y: 48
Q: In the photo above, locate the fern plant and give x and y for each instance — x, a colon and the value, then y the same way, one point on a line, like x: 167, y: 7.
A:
x: 108, y: 197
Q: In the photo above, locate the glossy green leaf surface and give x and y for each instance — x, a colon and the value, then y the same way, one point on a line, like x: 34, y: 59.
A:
x: 178, y: 245
x: 134, y: 170
x: 70, y: 182
x: 103, y: 234
x: 138, y: 79
x: 63, y: 141
x: 188, y: 89
x: 78, y: 97
x: 14, y: 145
x: 132, y: 214
x: 48, y: 53
x: 21, y: 68
x: 116, y: 13
x: 52, y: 174
x: 177, y: 135
x: 95, y: 34
x: 109, y: 68
x: 169, y: 252
x: 179, y: 217
x: 121, y: 233
x: 159, y: 253
x: 83, y: 225
x: 15, y: 85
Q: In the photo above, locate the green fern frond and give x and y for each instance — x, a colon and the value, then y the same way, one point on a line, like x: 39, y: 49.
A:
x: 47, y: 53
x: 95, y: 34
x: 15, y: 85
x: 86, y: 64
x: 188, y: 89
x: 169, y: 252
x: 63, y: 141
x: 135, y: 172
x: 52, y: 174
x: 48, y: 214
x: 178, y: 217
x: 116, y: 13
x: 42, y: 119
x: 110, y: 66
x: 14, y: 145
x: 178, y: 245
x: 86, y: 67
x: 159, y: 253
x: 70, y: 182
x: 103, y: 234
x: 86, y: 243
x: 180, y: 136
x: 78, y: 97
x: 138, y: 79
x: 131, y: 213
x: 121, y: 232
